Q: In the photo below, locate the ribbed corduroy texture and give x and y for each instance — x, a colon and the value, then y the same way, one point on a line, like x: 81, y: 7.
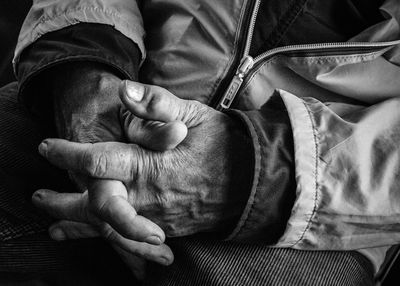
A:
x: 27, y: 255
x: 22, y: 170
x: 32, y: 254
x: 205, y: 262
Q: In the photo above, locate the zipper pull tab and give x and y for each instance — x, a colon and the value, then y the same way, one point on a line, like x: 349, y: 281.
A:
x: 245, y: 65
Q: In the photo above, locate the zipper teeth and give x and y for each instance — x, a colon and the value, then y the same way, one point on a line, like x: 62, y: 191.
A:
x: 251, y: 28
x: 311, y: 47
x: 304, y: 47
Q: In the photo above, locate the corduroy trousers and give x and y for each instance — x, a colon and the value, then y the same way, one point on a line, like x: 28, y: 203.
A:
x: 29, y: 257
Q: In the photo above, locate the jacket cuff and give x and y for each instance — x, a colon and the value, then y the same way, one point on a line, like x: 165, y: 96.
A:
x: 307, y: 170
x: 57, y: 15
x: 273, y: 189
x: 319, y: 220
x: 83, y: 42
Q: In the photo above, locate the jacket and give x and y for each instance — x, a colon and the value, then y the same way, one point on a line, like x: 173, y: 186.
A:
x: 341, y: 100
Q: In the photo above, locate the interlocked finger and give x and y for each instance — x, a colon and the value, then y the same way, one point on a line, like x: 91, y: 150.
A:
x: 105, y: 160
x: 108, y: 200
x: 153, y: 135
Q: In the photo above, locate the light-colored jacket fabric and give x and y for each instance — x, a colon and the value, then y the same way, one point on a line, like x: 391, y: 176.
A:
x: 347, y: 154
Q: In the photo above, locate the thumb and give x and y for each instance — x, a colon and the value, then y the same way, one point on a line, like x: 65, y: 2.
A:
x: 158, y: 104
x: 153, y: 135
x: 153, y: 118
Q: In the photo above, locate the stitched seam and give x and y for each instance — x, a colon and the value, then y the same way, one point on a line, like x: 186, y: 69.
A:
x: 315, y: 175
x: 344, y: 58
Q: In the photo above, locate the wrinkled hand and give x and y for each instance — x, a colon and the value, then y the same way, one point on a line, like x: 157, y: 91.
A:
x: 201, y: 185
x: 88, y: 109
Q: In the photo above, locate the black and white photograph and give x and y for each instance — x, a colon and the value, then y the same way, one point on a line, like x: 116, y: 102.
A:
x: 199, y: 142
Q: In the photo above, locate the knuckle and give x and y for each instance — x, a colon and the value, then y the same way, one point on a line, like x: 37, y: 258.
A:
x: 137, y: 167
x: 95, y: 164
x: 103, y: 83
x: 162, y: 202
x: 198, y: 107
x: 139, y: 251
x: 99, y: 208
x: 156, y: 101
x: 84, y: 211
x: 192, y: 111
x: 95, y: 208
x: 107, y: 232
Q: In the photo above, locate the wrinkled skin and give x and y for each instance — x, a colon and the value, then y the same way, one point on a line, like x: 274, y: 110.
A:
x: 197, y: 186
x: 87, y: 109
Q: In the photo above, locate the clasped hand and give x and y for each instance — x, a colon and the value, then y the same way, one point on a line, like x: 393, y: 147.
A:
x: 178, y: 178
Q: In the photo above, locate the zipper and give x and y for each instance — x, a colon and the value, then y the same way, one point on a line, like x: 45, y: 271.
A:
x: 237, y: 81
x: 245, y: 64
x: 248, y: 62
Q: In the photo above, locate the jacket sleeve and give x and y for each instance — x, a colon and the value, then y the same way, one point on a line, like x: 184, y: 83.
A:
x: 346, y: 159
x: 347, y: 166
x: 51, y: 15
x: 94, y: 43
x: 55, y: 32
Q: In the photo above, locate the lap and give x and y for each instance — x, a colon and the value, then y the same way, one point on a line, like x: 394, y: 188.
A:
x: 209, y: 262
x: 25, y: 247
x: 21, y: 167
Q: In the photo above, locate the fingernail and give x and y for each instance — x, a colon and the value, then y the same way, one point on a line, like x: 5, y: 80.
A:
x: 43, y: 148
x: 134, y: 90
x: 39, y: 195
x: 58, y: 234
x: 165, y: 261
x: 154, y: 240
